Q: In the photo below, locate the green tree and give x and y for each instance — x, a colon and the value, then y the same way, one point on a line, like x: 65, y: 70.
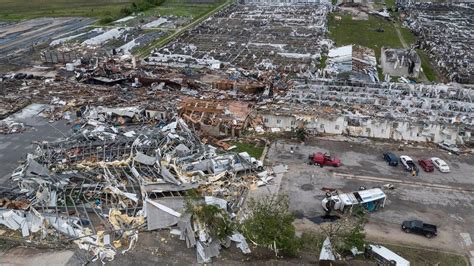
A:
x: 301, y: 133
x: 269, y: 224
x: 217, y: 221
x: 347, y: 232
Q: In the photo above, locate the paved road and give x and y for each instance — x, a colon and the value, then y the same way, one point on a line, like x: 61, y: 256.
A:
x: 14, y: 147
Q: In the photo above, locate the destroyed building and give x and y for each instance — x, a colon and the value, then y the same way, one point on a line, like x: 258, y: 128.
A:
x: 99, y: 187
x: 288, y: 38
x: 400, y: 62
x: 445, y: 32
x: 354, y: 60
x: 214, y: 118
x: 433, y: 113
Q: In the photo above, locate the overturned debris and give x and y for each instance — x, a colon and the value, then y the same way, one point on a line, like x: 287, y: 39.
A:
x: 101, y: 186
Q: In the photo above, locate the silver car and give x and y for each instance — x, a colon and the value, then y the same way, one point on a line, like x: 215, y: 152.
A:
x: 451, y: 147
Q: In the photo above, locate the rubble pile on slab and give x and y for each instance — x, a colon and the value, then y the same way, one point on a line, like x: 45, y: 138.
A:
x: 285, y: 38
x: 400, y: 62
x: 105, y: 183
x: 445, y: 31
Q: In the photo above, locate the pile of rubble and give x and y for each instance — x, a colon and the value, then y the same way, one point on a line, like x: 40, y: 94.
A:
x: 445, y: 31
x: 99, y: 187
x: 9, y: 127
x: 357, y: 61
x: 284, y: 38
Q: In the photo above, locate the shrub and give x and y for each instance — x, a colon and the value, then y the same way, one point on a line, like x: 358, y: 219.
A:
x: 126, y: 11
x: 106, y: 20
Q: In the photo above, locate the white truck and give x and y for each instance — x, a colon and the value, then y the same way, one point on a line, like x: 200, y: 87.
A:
x: 370, y: 199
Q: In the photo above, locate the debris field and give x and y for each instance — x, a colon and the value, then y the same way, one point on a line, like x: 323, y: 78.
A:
x: 284, y: 38
x: 145, y: 135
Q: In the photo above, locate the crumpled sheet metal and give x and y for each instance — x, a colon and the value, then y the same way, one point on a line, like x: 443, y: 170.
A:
x: 81, y: 171
x: 163, y: 213
x: 241, y: 242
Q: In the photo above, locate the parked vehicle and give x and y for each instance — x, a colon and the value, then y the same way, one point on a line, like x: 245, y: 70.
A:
x: 451, y: 147
x: 440, y: 164
x: 371, y: 199
x: 426, y: 164
x: 409, y: 164
x: 391, y: 158
x: 420, y: 228
x: 322, y: 159
x: 384, y: 256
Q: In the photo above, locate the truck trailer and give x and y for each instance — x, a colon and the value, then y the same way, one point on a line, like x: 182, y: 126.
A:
x: 370, y: 199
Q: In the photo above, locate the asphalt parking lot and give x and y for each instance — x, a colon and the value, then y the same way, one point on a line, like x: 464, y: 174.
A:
x: 14, y: 147
x: 444, y: 199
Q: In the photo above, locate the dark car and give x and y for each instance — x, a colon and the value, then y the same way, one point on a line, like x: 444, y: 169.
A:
x: 420, y: 228
x: 427, y: 165
x: 391, y: 158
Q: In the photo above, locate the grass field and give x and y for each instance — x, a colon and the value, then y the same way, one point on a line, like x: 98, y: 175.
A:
x: 363, y: 32
x: 426, y: 65
x: 184, y: 8
x: 251, y: 148
x: 24, y: 9
x: 408, y: 36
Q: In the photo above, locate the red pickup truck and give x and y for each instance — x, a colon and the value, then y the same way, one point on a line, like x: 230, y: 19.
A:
x: 323, y: 159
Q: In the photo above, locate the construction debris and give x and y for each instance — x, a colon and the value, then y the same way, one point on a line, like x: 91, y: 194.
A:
x: 284, y: 38
x: 400, y: 62
x: 416, y: 112
x: 445, y: 32
x: 147, y: 134
x: 101, y: 186
x: 355, y: 60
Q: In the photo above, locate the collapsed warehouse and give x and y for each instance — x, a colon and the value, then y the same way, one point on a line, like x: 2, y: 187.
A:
x: 445, y: 31
x: 284, y: 38
x: 104, y: 184
x: 396, y: 111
